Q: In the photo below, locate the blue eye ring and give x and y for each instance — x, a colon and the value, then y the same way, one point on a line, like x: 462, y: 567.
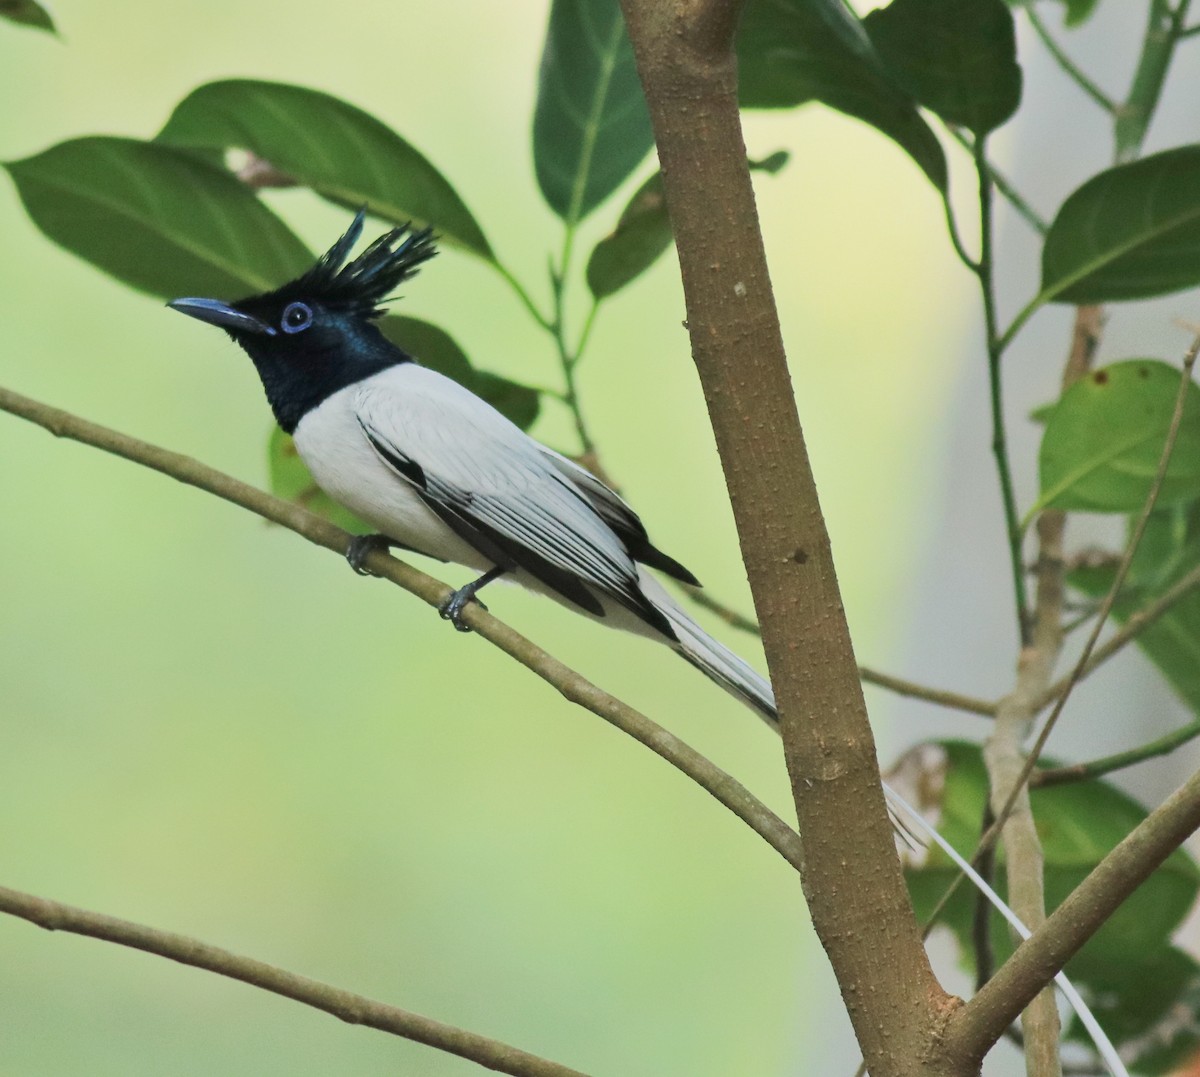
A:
x: 296, y: 318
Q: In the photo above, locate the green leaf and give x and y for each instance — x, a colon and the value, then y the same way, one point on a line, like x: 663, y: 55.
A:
x: 433, y: 347
x: 643, y: 233
x: 590, y: 126
x: 1078, y: 824
x: 1169, y: 550
x: 956, y: 57
x: 1132, y: 231
x: 324, y: 143
x: 27, y: 13
x: 159, y: 219
x: 1103, y: 441
x: 291, y: 480
x: 794, y: 51
x: 1150, y: 1007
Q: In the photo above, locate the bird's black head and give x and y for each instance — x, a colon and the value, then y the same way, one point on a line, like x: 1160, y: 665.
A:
x: 317, y: 334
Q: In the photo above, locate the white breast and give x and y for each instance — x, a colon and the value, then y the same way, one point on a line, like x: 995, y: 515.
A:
x: 331, y: 443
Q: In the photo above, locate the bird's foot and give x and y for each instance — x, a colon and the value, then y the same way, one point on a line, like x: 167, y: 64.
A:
x: 452, y: 609
x: 361, y: 547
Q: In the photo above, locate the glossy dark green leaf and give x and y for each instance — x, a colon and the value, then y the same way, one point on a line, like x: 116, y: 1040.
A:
x: 158, y: 219
x: 1132, y: 231
x: 958, y: 58
x: 435, y: 348
x: 291, y: 480
x: 1169, y: 550
x: 793, y: 51
x: 1078, y: 825
x: 338, y: 150
x: 27, y: 13
x: 643, y: 233
x: 1104, y: 440
x: 590, y: 125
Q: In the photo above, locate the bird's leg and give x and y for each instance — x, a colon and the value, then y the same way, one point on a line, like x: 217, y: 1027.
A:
x: 453, y: 607
x: 362, y: 546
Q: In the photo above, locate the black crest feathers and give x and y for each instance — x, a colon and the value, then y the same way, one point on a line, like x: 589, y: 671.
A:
x: 361, y: 285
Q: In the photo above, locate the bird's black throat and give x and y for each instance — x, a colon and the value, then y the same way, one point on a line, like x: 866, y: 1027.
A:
x: 300, y: 373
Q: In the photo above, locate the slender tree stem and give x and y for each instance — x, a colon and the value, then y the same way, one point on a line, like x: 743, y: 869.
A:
x: 852, y: 880
x: 995, y: 352
x: 1164, y: 29
x: 725, y: 789
x: 347, y: 1006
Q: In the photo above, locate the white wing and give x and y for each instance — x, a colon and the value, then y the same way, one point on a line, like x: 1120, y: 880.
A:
x: 497, y: 488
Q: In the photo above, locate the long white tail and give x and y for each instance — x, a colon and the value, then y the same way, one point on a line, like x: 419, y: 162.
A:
x: 744, y: 682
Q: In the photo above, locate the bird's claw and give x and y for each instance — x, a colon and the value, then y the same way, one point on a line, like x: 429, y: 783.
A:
x: 361, y: 547
x: 452, y: 609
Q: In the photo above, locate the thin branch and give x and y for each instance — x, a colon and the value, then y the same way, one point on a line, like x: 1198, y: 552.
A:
x: 347, y: 1006
x: 1076, y: 920
x: 1070, y: 68
x: 1097, y: 768
x: 1136, y: 624
x: 938, y: 696
x: 724, y: 788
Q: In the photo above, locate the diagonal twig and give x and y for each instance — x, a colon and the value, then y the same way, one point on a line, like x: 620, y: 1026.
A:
x: 347, y: 1006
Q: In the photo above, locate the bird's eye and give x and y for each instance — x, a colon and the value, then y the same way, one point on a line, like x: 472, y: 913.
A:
x: 296, y: 318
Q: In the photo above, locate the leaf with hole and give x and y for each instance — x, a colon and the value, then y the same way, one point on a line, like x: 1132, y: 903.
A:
x: 957, y: 58
x: 1104, y: 440
x: 340, y: 151
x: 157, y: 218
x: 794, y: 51
x: 591, y: 128
x: 1130, y: 232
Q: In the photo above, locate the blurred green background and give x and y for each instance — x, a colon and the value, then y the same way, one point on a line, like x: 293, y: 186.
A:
x: 212, y: 727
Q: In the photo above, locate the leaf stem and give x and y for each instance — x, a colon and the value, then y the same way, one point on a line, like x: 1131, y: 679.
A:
x: 1004, y: 185
x: 522, y: 294
x: 1069, y: 67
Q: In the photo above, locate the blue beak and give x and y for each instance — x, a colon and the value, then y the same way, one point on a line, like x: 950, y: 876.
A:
x: 215, y: 312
